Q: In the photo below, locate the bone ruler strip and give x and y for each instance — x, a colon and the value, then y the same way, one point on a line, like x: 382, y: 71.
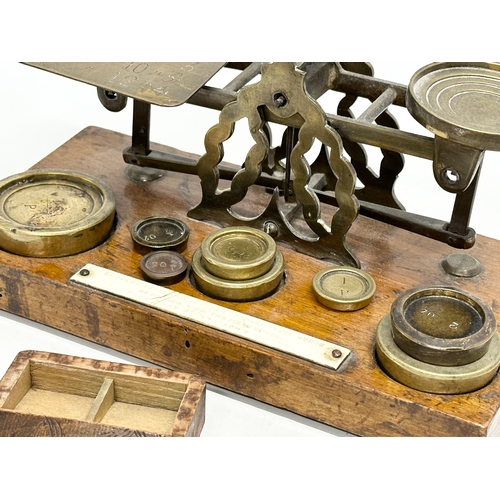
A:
x: 214, y: 316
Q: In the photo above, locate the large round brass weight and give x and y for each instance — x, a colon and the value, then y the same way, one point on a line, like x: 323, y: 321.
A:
x: 54, y: 213
x: 439, y: 340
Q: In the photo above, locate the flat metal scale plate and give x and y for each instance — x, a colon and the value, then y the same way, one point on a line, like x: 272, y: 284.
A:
x: 459, y: 101
x: 159, y: 83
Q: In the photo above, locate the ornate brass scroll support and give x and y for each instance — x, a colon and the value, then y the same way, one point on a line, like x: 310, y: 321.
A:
x: 281, y: 91
x: 457, y: 102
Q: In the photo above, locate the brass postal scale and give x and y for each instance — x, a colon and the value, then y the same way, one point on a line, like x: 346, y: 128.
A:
x: 294, y: 276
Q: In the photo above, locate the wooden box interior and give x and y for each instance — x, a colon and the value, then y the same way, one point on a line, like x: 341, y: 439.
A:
x: 112, y: 394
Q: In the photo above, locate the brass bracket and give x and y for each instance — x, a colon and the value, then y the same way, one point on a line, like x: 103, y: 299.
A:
x: 457, y: 102
x: 282, y: 92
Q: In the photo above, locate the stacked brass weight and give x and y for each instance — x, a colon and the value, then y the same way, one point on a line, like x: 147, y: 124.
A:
x: 439, y: 340
x: 238, y: 264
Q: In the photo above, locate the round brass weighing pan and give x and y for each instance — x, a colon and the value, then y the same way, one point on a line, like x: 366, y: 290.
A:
x: 459, y: 101
x: 54, y: 213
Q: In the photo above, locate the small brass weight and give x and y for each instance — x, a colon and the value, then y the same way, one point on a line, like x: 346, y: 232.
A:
x: 440, y: 340
x: 238, y: 264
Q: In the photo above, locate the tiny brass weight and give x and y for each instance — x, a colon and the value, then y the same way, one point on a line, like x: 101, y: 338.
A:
x: 164, y: 267
x: 160, y: 233
x: 440, y: 340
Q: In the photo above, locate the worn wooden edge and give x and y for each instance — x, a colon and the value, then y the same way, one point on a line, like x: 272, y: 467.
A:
x: 332, y: 398
x: 13, y: 424
x: 190, y: 417
x: 16, y: 380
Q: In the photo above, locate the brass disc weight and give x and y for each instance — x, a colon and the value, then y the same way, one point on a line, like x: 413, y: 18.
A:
x: 442, y: 325
x: 238, y: 253
x: 54, y: 213
x: 161, y: 233
x: 237, y: 290
x: 343, y: 288
x: 434, y: 378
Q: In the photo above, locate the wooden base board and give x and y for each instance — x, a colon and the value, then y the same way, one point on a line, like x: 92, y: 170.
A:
x: 359, y: 397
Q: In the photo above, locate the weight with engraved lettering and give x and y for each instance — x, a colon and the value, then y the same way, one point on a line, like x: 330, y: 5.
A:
x: 164, y: 267
x: 238, y: 264
x: 238, y: 253
x: 54, y: 213
x: 439, y: 340
x: 160, y: 233
x: 343, y: 288
x: 441, y: 325
x: 237, y: 290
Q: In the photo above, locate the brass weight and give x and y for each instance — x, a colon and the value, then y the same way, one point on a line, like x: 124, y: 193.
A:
x: 161, y: 233
x: 440, y: 340
x: 343, y: 288
x: 238, y: 264
x: 54, y: 213
x: 442, y: 326
x: 238, y: 253
x: 237, y: 290
x: 434, y: 378
x: 165, y: 267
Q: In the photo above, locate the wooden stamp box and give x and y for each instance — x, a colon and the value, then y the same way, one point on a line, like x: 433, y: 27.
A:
x: 48, y: 394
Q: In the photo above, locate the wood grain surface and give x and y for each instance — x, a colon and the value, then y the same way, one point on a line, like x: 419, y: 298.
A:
x: 359, y: 397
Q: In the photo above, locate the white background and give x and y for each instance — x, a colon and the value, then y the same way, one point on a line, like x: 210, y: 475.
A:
x: 40, y: 111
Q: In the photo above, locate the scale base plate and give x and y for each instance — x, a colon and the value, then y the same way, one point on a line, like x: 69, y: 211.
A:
x: 358, y: 397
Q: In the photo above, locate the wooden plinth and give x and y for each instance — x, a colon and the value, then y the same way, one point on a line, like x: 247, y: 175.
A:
x: 359, y: 398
